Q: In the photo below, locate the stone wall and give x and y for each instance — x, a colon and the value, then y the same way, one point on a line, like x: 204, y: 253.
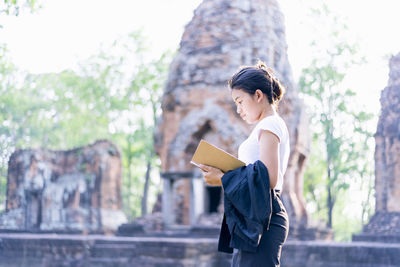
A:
x: 76, y: 190
x: 101, y: 251
x: 66, y: 250
x: 223, y: 35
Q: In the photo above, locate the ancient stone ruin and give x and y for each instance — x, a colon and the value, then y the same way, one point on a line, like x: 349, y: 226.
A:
x: 385, y: 223
x: 64, y: 191
x: 197, y: 104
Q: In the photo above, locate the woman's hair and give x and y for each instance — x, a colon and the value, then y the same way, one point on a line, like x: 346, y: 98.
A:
x: 251, y: 78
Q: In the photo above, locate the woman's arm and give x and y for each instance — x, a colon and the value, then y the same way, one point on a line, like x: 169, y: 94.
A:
x: 269, y: 155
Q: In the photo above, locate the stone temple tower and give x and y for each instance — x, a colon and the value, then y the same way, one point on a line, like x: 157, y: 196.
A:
x: 385, y: 223
x: 222, y: 36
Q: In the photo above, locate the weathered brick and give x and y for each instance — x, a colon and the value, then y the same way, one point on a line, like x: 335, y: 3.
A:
x: 64, y: 191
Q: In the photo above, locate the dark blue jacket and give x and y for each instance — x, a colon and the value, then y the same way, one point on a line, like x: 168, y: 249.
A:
x: 248, y: 207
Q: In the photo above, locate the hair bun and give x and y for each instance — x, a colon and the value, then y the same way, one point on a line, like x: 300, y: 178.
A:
x: 262, y: 66
x: 277, y: 90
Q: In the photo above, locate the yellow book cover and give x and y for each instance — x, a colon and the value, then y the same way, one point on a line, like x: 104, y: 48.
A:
x: 211, y: 155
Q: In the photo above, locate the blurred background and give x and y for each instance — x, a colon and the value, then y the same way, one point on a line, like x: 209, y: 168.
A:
x: 73, y: 72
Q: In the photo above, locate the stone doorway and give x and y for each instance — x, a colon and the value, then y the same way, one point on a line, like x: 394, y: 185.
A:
x: 213, y: 199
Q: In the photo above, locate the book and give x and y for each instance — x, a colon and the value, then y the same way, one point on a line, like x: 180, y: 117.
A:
x: 213, y: 156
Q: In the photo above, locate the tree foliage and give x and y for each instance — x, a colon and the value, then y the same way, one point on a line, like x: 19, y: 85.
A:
x: 341, y: 140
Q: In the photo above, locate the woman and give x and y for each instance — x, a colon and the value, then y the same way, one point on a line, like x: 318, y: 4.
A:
x: 256, y: 93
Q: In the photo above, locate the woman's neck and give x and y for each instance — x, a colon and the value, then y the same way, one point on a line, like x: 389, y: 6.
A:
x: 268, y: 111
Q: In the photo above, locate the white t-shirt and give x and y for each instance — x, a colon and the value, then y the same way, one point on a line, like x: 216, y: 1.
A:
x: 249, y: 150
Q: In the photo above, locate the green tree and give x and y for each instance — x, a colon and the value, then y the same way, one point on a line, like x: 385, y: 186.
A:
x: 148, y: 90
x: 339, y: 157
x: 114, y: 95
x: 365, y: 168
x: 6, y: 68
x: 9, y: 136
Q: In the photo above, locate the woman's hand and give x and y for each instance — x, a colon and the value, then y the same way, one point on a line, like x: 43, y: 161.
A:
x: 212, y: 175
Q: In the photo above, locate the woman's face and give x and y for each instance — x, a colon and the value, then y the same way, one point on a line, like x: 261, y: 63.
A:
x: 248, y: 106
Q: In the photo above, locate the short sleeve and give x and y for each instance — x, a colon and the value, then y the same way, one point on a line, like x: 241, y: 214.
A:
x: 270, y: 124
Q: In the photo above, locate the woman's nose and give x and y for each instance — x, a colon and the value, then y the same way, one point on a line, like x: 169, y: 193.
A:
x: 238, y: 109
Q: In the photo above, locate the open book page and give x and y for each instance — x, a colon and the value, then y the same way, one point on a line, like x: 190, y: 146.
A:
x: 211, y: 155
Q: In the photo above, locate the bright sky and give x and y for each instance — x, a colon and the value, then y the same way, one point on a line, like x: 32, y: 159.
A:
x: 65, y: 31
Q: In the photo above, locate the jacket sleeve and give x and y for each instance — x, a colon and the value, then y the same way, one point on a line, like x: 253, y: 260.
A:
x: 247, y: 203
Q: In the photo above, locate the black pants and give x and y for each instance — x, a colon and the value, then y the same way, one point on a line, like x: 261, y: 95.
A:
x: 269, y: 250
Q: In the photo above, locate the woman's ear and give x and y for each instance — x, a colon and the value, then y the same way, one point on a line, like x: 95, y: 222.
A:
x: 259, y: 95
